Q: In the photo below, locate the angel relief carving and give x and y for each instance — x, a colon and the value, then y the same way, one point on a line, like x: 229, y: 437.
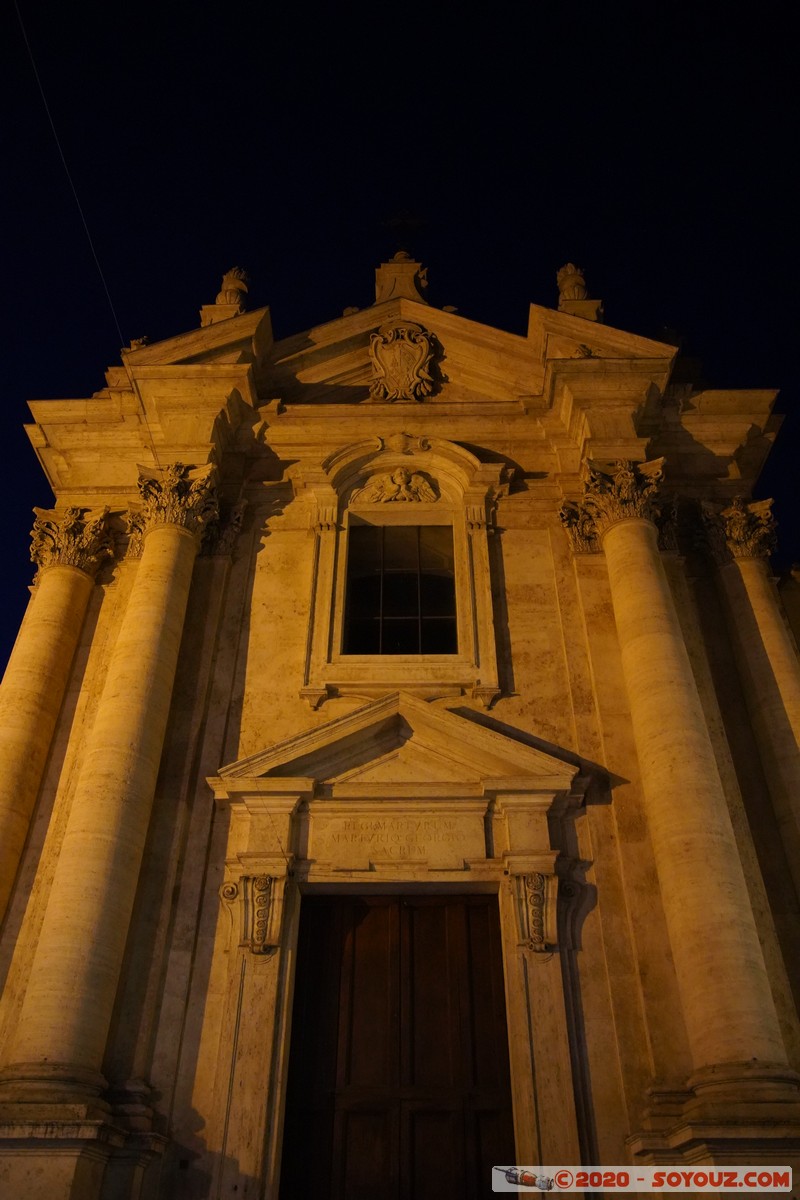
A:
x: 401, y: 484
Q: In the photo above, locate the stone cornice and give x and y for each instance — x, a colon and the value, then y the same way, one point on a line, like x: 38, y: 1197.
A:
x: 612, y: 492
x: 71, y: 539
x: 745, y: 529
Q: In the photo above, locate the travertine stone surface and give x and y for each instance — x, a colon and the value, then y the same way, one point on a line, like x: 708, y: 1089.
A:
x: 72, y: 986
x: 767, y: 658
x: 67, y: 549
x: 729, y: 1011
x: 596, y: 754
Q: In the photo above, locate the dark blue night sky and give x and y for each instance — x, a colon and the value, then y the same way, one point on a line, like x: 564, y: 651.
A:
x: 653, y: 145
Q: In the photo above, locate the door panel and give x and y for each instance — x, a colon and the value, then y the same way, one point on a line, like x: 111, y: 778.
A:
x: 398, y: 1073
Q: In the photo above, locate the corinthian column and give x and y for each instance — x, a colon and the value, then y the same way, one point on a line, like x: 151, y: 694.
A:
x: 741, y: 537
x: 67, y: 547
x: 57, y: 1050
x: 725, y: 995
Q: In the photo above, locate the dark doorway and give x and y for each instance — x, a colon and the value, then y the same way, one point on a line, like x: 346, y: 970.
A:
x: 398, y: 1074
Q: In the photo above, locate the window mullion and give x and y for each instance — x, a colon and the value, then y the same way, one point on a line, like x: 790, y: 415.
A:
x: 419, y: 594
x: 380, y: 594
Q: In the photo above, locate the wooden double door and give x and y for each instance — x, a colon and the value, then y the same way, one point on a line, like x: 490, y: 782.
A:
x: 398, y: 1074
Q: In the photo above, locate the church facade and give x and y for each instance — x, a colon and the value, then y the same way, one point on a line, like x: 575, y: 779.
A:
x: 399, y: 768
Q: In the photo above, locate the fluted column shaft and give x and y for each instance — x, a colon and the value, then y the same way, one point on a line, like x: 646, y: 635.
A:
x: 67, y: 549
x: 726, y: 999
x: 68, y: 1004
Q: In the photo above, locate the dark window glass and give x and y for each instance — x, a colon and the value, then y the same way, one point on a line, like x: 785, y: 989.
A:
x: 401, y: 595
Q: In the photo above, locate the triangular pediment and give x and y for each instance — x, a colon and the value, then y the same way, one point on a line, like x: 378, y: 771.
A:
x: 331, y: 363
x: 555, y: 335
x: 401, y: 741
x: 245, y: 338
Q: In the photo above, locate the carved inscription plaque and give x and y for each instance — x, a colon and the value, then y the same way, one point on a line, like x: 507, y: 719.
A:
x: 438, y: 840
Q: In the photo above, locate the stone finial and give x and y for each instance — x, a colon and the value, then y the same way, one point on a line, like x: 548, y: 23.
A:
x: 230, y: 298
x: 400, y: 278
x: 172, y: 497
x: 234, y: 287
x: 401, y: 354
x: 571, y: 283
x: 573, y: 294
x: 70, y: 539
x: 612, y: 492
x: 742, y: 530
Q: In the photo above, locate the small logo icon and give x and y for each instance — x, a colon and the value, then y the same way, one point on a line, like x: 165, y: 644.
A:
x: 526, y: 1178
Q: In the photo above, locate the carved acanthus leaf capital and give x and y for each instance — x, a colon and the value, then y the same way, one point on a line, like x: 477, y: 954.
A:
x: 617, y: 491
x: 742, y: 530
x: 172, y: 496
x: 71, y: 539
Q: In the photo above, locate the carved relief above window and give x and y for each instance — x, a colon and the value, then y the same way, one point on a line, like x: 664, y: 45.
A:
x: 401, y: 588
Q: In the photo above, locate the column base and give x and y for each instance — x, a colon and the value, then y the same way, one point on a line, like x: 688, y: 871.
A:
x: 52, y: 1086
x: 60, y: 1139
x: 732, y: 1113
x: 79, y: 1160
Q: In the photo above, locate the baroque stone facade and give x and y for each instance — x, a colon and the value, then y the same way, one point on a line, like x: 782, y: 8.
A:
x: 420, y: 690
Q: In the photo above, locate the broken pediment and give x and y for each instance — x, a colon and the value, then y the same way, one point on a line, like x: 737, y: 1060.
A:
x: 400, y: 745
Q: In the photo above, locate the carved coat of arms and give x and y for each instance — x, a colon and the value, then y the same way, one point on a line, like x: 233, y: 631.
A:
x: 401, y: 358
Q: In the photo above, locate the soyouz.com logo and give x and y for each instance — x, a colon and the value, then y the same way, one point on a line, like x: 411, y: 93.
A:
x: 641, y: 1179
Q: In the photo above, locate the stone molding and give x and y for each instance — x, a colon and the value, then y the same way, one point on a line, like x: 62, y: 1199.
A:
x: 612, y: 492
x: 260, y: 903
x: 171, y: 496
x: 70, y: 539
x: 745, y: 529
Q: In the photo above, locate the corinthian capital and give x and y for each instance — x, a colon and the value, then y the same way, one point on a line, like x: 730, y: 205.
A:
x: 612, y: 492
x: 743, y: 530
x: 176, y: 495
x: 70, y: 539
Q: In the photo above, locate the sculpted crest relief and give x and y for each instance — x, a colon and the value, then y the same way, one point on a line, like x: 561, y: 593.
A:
x: 401, y: 356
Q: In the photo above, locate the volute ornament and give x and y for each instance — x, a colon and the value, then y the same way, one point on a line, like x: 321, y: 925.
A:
x: 536, y: 895
x: 260, y: 903
x: 70, y: 539
x: 401, y: 355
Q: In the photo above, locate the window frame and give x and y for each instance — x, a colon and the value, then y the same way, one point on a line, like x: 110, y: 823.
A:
x: 466, y: 494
